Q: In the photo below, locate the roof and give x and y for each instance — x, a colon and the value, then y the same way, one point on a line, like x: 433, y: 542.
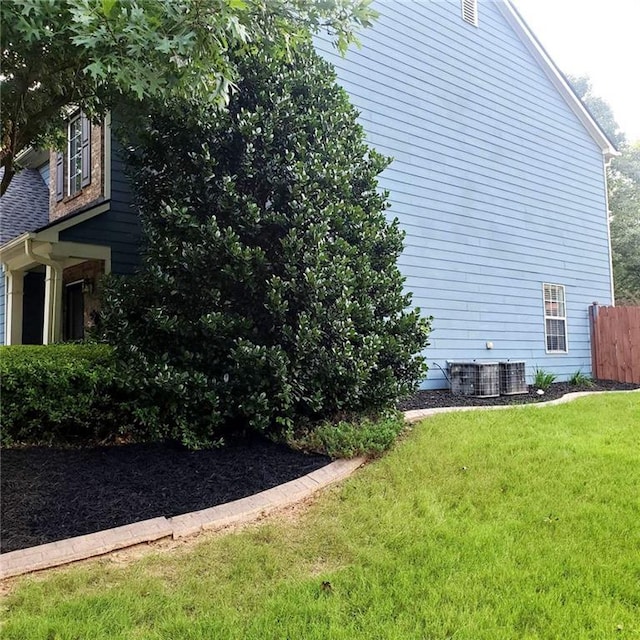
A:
x: 24, y: 206
x: 558, y: 79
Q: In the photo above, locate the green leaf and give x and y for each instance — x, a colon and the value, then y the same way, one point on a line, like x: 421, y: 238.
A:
x: 108, y: 6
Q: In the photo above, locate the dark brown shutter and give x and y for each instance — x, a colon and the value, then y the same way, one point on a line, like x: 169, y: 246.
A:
x: 59, y: 176
x: 86, y: 150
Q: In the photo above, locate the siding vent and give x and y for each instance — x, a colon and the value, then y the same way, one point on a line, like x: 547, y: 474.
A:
x: 470, y: 11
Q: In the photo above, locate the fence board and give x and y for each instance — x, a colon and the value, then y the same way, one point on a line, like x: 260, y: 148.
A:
x: 615, y: 347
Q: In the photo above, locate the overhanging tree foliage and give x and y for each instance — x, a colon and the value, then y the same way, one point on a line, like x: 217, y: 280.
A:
x: 269, y: 292
x: 623, y: 184
x: 624, y: 203
x: 89, y: 53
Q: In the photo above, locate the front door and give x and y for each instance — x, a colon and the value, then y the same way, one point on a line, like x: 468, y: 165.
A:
x: 74, y: 312
x: 33, y: 307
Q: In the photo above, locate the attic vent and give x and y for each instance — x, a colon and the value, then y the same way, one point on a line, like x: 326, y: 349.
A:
x: 470, y: 11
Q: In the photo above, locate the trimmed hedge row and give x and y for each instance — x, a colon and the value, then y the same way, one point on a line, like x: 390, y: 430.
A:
x: 59, y: 393
x: 79, y: 394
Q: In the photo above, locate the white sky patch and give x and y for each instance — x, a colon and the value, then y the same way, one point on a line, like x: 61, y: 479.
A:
x: 600, y: 39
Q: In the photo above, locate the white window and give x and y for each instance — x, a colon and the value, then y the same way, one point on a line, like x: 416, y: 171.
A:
x: 74, y: 157
x: 470, y: 11
x: 555, y: 318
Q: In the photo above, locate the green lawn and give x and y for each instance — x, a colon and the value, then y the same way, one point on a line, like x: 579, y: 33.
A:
x: 522, y: 523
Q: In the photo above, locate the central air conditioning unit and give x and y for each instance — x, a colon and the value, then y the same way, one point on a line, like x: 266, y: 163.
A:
x: 513, y: 378
x: 479, y: 379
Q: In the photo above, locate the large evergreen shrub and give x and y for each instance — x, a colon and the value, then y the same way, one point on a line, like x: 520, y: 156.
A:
x: 269, y: 292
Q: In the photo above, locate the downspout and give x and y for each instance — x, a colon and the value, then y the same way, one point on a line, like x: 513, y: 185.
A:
x: 4, y: 285
x: 606, y: 163
x: 57, y: 281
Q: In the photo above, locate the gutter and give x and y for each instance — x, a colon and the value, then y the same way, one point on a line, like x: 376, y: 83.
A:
x: 28, y: 249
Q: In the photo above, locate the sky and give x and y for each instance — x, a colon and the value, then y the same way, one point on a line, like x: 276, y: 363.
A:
x: 598, y: 38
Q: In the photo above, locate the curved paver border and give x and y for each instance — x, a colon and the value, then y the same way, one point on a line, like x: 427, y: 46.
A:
x: 63, y: 552
x: 418, y: 414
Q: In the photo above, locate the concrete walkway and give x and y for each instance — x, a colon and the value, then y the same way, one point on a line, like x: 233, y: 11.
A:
x: 95, y: 544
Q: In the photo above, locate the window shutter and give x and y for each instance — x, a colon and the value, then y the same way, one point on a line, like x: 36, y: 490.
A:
x: 59, y: 176
x: 86, y: 150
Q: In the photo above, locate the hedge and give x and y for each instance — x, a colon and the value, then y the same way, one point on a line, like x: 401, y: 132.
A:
x: 59, y: 393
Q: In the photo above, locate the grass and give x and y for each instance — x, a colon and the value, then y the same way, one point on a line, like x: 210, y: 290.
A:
x: 368, y: 436
x: 521, y: 523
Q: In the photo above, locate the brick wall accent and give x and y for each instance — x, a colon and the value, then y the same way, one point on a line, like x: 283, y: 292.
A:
x: 88, y: 194
x: 90, y: 270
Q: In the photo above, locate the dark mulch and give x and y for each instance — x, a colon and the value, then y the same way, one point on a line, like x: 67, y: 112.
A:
x: 50, y: 494
x: 443, y: 398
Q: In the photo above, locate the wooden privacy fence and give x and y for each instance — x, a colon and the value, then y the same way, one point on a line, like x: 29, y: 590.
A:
x: 615, y: 343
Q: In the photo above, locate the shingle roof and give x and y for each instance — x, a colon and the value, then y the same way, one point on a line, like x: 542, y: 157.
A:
x: 25, y: 205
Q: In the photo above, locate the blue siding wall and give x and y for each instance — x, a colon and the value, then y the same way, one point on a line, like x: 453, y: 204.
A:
x: 45, y: 172
x: 121, y: 199
x: 3, y: 284
x: 119, y: 227
x: 496, y: 182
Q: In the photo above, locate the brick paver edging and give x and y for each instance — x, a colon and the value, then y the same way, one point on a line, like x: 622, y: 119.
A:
x: 94, y: 544
x: 418, y: 414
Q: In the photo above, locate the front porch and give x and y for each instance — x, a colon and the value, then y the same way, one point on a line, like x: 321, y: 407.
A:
x: 52, y: 288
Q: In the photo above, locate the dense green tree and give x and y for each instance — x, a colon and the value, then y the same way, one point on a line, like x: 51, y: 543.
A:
x: 623, y: 180
x: 624, y: 203
x: 269, y: 294
x: 89, y: 53
x: 599, y: 108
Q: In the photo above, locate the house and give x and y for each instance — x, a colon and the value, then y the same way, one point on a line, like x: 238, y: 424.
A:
x: 498, y: 180
x: 65, y: 220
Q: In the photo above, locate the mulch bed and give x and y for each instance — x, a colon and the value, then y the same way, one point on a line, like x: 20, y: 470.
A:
x: 51, y: 494
x: 443, y: 398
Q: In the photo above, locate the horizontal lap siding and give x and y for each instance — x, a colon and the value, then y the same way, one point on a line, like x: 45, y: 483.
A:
x: 3, y: 281
x: 115, y: 229
x: 45, y: 172
x: 496, y: 182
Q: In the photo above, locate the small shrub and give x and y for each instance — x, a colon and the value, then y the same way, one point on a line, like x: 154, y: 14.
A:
x: 543, y: 379
x: 370, y: 436
x: 579, y: 379
x: 58, y: 393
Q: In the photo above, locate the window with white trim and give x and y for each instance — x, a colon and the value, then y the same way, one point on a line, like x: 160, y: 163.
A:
x: 555, y: 318
x: 74, y: 157
x: 470, y: 11
x: 73, y: 166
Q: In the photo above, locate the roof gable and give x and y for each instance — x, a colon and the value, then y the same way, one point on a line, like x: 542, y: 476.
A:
x: 557, y: 78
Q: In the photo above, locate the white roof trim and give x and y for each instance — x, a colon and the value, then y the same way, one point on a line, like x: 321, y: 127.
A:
x: 558, y: 79
x: 52, y: 230
x: 32, y: 158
